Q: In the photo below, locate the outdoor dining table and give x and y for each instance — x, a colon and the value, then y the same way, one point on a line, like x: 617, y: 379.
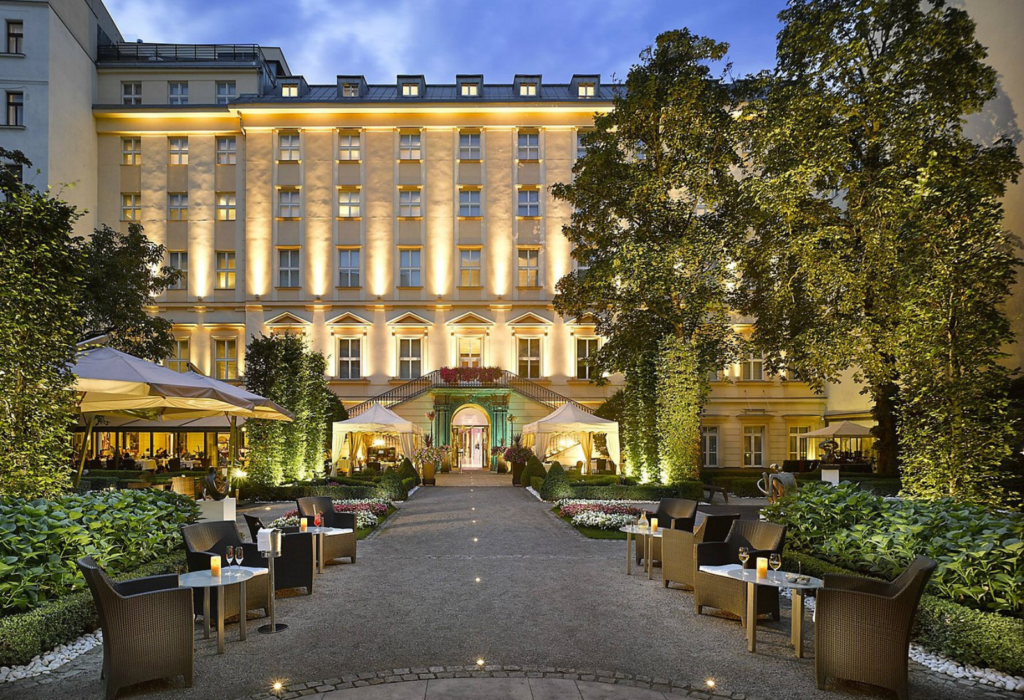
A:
x: 320, y: 533
x: 230, y: 576
x: 148, y: 465
x: 648, y: 537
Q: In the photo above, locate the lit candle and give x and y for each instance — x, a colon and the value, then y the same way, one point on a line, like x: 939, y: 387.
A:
x: 303, y: 525
x: 762, y: 567
x: 654, y: 524
x: 215, y: 566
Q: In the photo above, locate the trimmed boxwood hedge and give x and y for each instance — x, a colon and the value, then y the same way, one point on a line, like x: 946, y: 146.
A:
x: 694, y: 490
x: 291, y: 492
x: 537, y: 483
x: 533, y: 469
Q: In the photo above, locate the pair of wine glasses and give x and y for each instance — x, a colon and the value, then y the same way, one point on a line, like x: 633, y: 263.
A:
x: 774, y: 560
x: 234, y: 555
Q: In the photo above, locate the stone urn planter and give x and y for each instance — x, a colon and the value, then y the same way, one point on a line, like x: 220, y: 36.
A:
x: 428, y: 474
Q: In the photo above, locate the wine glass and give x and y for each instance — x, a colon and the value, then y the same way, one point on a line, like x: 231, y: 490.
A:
x: 229, y: 554
x: 775, y: 561
x: 744, y: 555
x: 239, y: 555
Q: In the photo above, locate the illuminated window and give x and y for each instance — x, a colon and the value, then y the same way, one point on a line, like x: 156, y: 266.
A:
x: 177, y: 206
x: 469, y: 202
x: 410, y: 358
x: 470, y: 90
x: 528, y: 351
x: 469, y: 267
x: 529, y: 203
x: 349, y: 358
x: 470, y: 351
x: 469, y: 146
x: 177, y: 93
x: 225, y: 269
x: 15, y: 109
x: 226, y: 209
x: 409, y: 267
x: 131, y: 93
x: 131, y: 151
x: 290, y: 90
x: 225, y: 362
x: 177, y: 148
x: 798, y: 442
x: 753, y: 446
x: 179, y: 359
x: 288, y: 147
x: 131, y: 206
x: 348, y: 267
x: 409, y: 203
x: 409, y: 146
x: 581, y: 149
x: 529, y: 145
x: 288, y: 268
x: 752, y: 368
x: 226, y: 150
x: 15, y: 36
x: 527, y: 89
x: 585, y: 90
x: 226, y: 92
x: 410, y: 89
x: 580, y: 261
x: 586, y: 348
x: 349, y: 90
x: 709, y: 446
x: 348, y: 147
x: 529, y: 267
x: 349, y: 204
x: 288, y: 204
x: 178, y: 259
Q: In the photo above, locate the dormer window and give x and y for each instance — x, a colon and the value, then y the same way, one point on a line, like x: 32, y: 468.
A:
x: 290, y: 90
x: 470, y: 90
x: 527, y: 89
x: 410, y: 90
x: 349, y: 90
x: 585, y: 90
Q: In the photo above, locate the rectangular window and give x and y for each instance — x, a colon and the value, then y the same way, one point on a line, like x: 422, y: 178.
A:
x: 290, y: 90
x: 528, y: 350
x: 714, y: 375
x: 225, y: 269
x: 585, y: 90
x: 227, y: 150
x: 15, y: 109
x: 131, y: 151
x: 753, y: 446
x: 752, y: 369
x: 469, y: 267
x: 470, y: 351
x: 288, y: 204
x: 177, y: 93
x: 179, y: 360
x: 410, y: 358
x: 288, y: 147
x: 15, y: 36
x: 469, y: 146
x: 131, y: 206
x: 348, y: 147
x: 225, y: 359
x: 349, y: 90
x: 177, y: 148
x: 131, y: 93
x: 177, y: 206
x: 226, y: 92
x: 410, y: 89
x: 586, y: 348
x: 409, y: 267
x: 709, y: 446
x: 409, y: 146
x: 178, y: 259
x: 529, y: 203
x: 349, y: 356
x: 288, y: 268
x: 226, y: 209
x: 581, y: 149
x: 409, y: 203
x: 798, y: 442
x: 529, y: 267
x: 348, y: 267
x: 529, y: 145
x: 469, y: 202
x: 470, y: 89
x: 580, y: 261
x: 350, y: 204
x: 527, y: 89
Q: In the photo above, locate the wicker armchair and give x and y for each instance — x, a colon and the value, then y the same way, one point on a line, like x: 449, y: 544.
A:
x: 335, y: 546
x: 674, y: 513
x: 297, y: 564
x: 862, y: 628
x: 730, y: 595
x: 207, y: 539
x: 147, y: 627
x: 677, y: 562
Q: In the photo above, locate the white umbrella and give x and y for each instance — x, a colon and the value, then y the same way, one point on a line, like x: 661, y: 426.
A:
x: 842, y: 429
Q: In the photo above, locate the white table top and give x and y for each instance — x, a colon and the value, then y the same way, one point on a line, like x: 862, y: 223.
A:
x: 228, y: 576
x: 328, y: 531
x: 774, y: 578
x: 634, y: 530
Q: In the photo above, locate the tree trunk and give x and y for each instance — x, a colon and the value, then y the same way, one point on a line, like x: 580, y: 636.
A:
x: 886, y: 396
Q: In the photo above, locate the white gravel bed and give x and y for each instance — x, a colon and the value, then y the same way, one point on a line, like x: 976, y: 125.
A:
x: 52, y: 660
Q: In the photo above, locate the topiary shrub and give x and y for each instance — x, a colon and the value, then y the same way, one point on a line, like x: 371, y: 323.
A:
x: 537, y: 483
x: 556, y: 485
x: 407, y: 471
x: 534, y: 468
x: 409, y: 485
x: 391, y: 487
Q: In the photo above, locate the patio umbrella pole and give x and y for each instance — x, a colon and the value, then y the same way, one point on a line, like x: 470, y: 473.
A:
x: 85, y: 446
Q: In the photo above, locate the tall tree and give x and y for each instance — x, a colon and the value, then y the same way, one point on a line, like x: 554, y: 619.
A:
x: 657, y: 215
x: 124, y: 273
x: 864, y: 91
x: 40, y: 278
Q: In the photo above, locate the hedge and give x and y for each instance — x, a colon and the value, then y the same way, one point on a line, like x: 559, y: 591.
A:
x: 537, y: 483
x: 293, y: 492
x: 694, y: 490
x: 533, y: 469
x: 988, y: 640
x: 26, y: 635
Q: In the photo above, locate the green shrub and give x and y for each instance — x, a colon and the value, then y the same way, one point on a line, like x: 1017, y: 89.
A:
x: 692, y: 489
x: 745, y: 487
x: 574, y: 475
x: 407, y: 471
x: 409, y: 485
x: 533, y: 469
x: 595, y: 480
x: 555, y: 486
x: 537, y: 483
x: 391, y: 487
x: 271, y: 494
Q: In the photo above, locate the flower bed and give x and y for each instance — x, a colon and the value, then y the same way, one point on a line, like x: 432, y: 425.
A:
x: 601, y: 515
x: 369, y: 512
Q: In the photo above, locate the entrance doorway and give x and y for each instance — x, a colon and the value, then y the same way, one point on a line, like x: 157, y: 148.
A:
x: 471, y: 429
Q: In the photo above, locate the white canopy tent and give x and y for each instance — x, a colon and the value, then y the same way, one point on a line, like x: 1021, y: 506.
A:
x: 572, y: 420
x: 376, y: 419
x: 841, y: 429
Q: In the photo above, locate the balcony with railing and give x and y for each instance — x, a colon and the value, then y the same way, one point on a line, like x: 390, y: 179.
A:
x: 154, y: 54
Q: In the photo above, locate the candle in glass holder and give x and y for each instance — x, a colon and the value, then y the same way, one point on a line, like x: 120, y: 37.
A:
x: 215, y: 566
x: 762, y: 567
x: 654, y: 524
x: 303, y: 525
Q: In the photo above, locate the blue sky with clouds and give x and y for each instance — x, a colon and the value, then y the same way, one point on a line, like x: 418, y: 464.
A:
x: 439, y: 38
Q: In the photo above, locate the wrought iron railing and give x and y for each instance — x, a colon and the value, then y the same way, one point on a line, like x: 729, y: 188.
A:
x: 208, y: 53
x: 432, y: 380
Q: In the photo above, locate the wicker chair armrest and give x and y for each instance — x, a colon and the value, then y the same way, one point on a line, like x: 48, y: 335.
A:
x: 755, y: 553
x: 859, y: 584
x: 148, y: 584
x: 252, y: 556
x: 713, y: 554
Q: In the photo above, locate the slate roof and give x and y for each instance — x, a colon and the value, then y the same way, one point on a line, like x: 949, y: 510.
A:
x: 432, y: 93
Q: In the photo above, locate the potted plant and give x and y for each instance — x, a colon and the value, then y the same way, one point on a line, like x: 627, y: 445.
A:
x: 428, y: 458
x: 516, y: 455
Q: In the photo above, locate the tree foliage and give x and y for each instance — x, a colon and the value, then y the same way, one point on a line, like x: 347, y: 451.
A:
x: 682, y: 394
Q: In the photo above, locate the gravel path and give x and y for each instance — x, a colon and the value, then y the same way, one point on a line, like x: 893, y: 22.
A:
x: 467, y: 573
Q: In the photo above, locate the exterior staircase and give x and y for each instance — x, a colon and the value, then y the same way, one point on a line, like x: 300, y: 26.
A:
x: 432, y: 380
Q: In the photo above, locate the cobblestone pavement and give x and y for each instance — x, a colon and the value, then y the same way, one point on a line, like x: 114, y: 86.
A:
x: 467, y: 573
